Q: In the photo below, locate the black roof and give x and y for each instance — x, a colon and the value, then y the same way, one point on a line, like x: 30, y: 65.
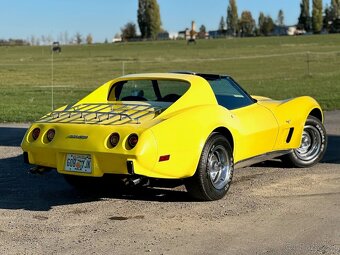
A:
x: 204, y: 75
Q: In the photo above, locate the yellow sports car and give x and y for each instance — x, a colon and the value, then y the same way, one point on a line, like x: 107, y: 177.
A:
x: 188, y: 126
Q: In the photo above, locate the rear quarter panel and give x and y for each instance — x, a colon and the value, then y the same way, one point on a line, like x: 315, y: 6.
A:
x: 183, y: 137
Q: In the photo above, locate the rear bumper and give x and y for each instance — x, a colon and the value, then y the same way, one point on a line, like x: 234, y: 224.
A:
x: 145, y: 159
x: 101, y: 163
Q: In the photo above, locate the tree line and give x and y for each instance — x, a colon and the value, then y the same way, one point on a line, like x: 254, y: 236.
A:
x: 63, y: 38
x: 315, y: 20
x: 245, y: 25
x: 13, y: 42
x: 327, y: 18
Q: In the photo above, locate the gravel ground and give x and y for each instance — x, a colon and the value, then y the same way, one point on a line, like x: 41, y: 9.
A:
x: 268, y: 210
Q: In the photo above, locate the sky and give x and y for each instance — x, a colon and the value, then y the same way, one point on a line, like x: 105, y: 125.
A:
x: 104, y: 18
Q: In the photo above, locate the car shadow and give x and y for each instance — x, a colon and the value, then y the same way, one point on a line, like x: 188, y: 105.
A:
x: 20, y: 189
x: 11, y: 136
x: 332, y: 154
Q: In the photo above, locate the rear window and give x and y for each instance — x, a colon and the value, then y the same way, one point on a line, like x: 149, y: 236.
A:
x: 148, y: 90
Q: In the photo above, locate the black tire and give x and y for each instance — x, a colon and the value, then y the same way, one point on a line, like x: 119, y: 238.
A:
x: 214, y: 172
x: 313, y: 145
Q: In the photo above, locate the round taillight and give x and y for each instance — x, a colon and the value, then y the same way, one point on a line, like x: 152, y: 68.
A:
x: 132, y: 140
x: 50, y: 134
x: 35, y: 133
x: 114, y: 139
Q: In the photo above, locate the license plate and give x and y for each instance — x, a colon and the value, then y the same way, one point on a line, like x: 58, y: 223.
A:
x: 78, y: 163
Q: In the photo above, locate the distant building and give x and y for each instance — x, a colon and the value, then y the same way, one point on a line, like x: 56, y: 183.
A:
x: 185, y: 34
x: 219, y: 33
x: 188, y: 34
x: 293, y: 30
x: 163, y: 36
x: 116, y: 39
x: 280, y: 30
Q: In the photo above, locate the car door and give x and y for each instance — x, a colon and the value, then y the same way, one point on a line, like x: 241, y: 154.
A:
x: 256, y: 125
x: 258, y: 130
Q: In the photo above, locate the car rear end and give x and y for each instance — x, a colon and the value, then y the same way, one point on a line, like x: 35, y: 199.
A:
x: 92, y: 140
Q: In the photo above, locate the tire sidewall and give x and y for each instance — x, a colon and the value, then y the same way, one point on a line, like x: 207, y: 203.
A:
x: 208, y: 188
x: 319, y: 126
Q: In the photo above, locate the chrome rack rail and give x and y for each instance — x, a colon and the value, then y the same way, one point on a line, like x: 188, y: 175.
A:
x: 105, y: 114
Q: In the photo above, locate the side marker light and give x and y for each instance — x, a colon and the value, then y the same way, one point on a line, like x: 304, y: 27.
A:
x: 164, y: 158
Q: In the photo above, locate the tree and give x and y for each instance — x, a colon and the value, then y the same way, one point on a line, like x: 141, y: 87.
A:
x: 317, y: 16
x: 32, y: 40
x: 327, y: 19
x: 49, y: 40
x: 335, y: 9
x: 155, y: 19
x: 66, y: 39
x: 221, y: 26
x: 247, y: 24
x: 43, y: 40
x: 232, y: 17
x: 261, y: 21
x: 149, y: 19
x: 266, y: 24
x: 202, y: 32
x: 89, y: 39
x: 141, y: 17
x: 78, y: 38
x: 129, y: 31
x: 60, y: 38
x: 304, y: 18
x: 280, y: 19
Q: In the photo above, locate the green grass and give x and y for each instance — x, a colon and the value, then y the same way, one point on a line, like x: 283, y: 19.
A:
x: 275, y: 66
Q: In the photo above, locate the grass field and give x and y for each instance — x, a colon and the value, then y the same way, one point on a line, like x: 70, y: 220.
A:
x: 278, y: 67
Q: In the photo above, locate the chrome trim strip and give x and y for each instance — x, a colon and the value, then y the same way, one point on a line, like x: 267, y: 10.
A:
x: 260, y: 158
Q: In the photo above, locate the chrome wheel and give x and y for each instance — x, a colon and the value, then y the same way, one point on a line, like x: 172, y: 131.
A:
x: 219, y: 167
x: 311, y: 143
x: 214, y: 172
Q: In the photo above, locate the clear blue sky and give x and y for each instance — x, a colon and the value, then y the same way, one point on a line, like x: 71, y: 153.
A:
x: 104, y: 18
